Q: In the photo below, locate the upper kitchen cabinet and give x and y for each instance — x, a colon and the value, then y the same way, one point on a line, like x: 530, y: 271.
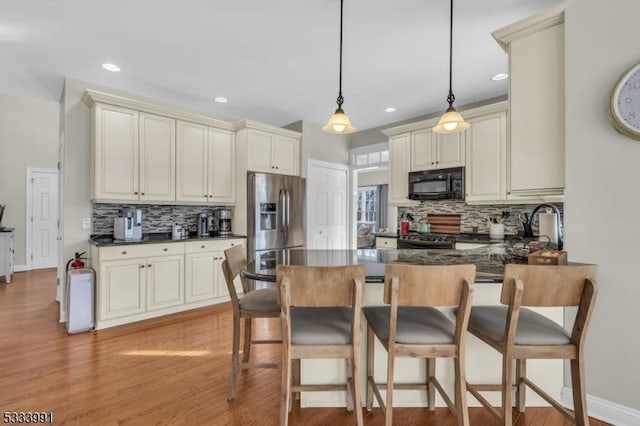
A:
x: 536, y: 96
x: 205, y: 164
x: 269, y: 149
x: 486, y: 154
x: 399, y: 165
x: 148, y: 153
x: 430, y: 150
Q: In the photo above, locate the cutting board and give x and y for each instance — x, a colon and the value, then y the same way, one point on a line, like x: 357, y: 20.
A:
x: 444, y: 223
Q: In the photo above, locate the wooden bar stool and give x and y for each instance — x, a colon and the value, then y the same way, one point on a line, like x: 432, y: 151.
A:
x: 520, y: 333
x: 261, y: 303
x: 321, y: 310
x: 412, y: 327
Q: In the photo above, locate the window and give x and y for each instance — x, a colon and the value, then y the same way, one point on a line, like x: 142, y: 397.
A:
x: 370, y: 156
x: 367, y: 204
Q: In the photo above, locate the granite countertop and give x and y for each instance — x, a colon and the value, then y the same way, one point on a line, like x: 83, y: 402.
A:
x: 153, y: 238
x: 465, y: 237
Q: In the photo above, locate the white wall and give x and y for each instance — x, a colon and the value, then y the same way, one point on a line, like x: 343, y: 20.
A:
x: 28, y: 138
x: 370, y: 178
x: 319, y: 145
x: 602, y: 190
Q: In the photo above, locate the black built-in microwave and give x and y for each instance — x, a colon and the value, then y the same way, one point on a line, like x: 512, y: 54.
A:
x: 442, y: 184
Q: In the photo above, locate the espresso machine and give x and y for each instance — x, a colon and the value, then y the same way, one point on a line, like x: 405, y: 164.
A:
x: 223, y: 218
x: 203, y: 225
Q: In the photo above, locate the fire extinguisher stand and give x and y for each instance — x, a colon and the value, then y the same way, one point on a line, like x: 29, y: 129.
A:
x: 80, y: 296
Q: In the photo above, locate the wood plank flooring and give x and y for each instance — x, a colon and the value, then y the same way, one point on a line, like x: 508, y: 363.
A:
x: 168, y: 371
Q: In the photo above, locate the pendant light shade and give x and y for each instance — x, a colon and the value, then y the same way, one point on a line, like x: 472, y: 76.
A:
x: 451, y: 121
x: 339, y: 123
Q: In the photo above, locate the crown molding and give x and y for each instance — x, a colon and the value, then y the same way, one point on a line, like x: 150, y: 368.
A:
x: 249, y: 124
x: 533, y: 24
x: 91, y: 97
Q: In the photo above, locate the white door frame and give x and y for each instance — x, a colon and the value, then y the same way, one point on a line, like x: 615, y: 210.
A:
x: 28, y: 223
x: 311, y: 164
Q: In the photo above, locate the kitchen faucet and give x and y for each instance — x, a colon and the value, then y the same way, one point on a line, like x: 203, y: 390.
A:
x: 559, y: 223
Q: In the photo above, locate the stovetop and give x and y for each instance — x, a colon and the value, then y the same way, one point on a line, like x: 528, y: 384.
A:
x: 428, y: 237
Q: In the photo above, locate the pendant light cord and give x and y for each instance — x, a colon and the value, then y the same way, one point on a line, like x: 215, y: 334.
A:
x: 340, y: 98
x: 451, y: 98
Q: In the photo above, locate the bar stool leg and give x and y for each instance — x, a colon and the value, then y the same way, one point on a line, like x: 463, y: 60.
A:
x: 247, y: 340
x: 370, y: 367
x: 350, y: 375
x: 231, y: 392
x: 521, y: 374
x: 579, y: 394
x: 431, y: 388
x: 461, y: 391
x: 285, y: 388
x: 507, y: 389
x: 357, y: 392
x: 388, y: 421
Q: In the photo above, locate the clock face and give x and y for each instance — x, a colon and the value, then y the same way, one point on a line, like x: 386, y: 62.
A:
x: 625, y: 103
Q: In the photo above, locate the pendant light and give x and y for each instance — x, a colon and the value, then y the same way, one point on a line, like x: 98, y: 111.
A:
x: 451, y: 121
x: 339, y: 122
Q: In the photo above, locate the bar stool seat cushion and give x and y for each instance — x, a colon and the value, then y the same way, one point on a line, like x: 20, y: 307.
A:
x: 321, y: 326
x: 423, y: 325
x: 261, y: 300
x: 533, y: 328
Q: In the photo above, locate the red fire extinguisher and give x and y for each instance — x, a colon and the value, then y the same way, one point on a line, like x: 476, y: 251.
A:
x: 76, y: 262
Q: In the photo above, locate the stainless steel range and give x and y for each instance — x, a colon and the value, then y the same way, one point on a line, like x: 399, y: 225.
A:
x: 426, y: 241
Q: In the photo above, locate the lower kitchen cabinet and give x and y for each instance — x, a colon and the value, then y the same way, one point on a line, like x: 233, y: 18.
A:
x: 142, y: 281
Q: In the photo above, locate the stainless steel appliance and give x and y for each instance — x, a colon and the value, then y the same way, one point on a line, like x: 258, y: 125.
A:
x: 203, y: 225
x: 223, y: 219
x: 550, y: 224
x: 443, y: 184
x: 422, y: 241
x: 128, y: 227
x: 275, y: 213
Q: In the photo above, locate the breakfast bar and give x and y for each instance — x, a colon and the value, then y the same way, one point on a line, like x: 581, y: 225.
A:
x: 483, y: 363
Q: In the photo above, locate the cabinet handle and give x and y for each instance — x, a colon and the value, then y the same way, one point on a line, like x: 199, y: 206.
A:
x: 508, y: 192
x: 165, y: 249
x: 141, y: 266
x: 142, y: 193
x: 276, y: 167
x: 432, y: 163
x: 210, y: 196
x: 135, y: 193
x: 149, y: 266
x: 124, y: 252
x: 437, y: 162
x: 202, y: 246
x: 232, y: 244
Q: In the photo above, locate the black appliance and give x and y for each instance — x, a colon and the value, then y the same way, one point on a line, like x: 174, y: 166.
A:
x: 442, y: 184
x: 426, y: 241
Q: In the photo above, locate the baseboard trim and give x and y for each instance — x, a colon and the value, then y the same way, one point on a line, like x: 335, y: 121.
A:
x: 20, y: 268
x: 604, y: 410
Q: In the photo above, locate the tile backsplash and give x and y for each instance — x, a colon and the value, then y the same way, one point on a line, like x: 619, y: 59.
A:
x: 475, y: 215
x: 155, y: 218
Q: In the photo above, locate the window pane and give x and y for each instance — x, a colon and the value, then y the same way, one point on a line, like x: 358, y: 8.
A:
x: 361, y: 160
x: 384, y: 156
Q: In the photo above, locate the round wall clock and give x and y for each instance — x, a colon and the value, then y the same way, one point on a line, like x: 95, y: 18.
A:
x: 625, y: 103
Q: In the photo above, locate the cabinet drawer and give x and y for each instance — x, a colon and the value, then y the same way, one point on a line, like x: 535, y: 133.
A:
x: 140, y: 250
x: 389, y: 243
x: 211, y: 245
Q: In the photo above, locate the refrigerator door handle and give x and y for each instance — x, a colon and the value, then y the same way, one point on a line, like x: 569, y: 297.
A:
x: 287, y: 199
x: 282, y: 197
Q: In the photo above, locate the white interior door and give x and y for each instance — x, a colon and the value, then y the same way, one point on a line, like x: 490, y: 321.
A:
x: 327, y: 206
x: 44, y: 219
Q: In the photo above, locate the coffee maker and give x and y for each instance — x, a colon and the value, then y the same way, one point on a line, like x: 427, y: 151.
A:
x: 128, y: 227
x: 203, y: 225
x: 223, y: 217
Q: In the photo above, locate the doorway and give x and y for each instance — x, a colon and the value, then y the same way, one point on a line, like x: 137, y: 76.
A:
x: 42, y: 218
x: 327, y: 205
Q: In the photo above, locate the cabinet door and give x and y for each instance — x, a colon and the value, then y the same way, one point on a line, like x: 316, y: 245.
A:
x: 165, y: 281
x: 399, y: 153
x: 222, y: 161
x: 191, y: 162
x: 486, y: 160
x: 201, y: 275
x: 422, y: 150
x: 122, y: 288
x: 259, y: 151
x: 450, y: 150
x: 284, y: 155
x: 536, y: 94
x: 157, y: 158
x: 115, y: 153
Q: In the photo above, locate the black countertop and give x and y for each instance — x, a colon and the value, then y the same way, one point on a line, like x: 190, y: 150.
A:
x: 490, y: 260
x: 153, y: 238
x: 465, y: 237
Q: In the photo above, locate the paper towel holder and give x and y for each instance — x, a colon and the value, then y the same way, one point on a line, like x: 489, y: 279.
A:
x: 559, y: 222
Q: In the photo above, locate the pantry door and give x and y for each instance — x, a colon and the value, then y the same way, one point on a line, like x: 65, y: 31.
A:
x: 42, y: 220
x: 327, y: 206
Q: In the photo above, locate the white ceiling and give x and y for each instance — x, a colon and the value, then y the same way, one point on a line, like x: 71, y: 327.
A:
x: 276, y: 61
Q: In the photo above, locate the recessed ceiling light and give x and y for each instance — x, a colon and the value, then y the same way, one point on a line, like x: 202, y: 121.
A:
x: 220, y: 99
x: 111, y: 67
x: 500, y: 76
x: 389, y: 109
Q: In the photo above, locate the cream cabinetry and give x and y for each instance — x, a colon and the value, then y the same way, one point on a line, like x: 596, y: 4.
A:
x: 141, y: 281
x: 386, y: 243
x: 430, y: 150
x: 133, y: 155
x: 536, y: 95
x: 486, y: 158
x: 272, y: 153
x: 205, y: 164
x: 399, y: 165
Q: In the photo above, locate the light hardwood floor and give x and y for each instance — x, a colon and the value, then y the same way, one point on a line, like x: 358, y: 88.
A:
x: 168, y: 371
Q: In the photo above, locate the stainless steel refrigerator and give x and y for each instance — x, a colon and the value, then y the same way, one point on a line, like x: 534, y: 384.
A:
x: 275, y: 213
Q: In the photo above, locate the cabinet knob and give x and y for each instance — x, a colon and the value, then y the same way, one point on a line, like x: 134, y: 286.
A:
x: 509, y: 192
x: 202, y: 246
x: 437, y: 162
x: 165, y: 249
x: 141, y: 266
x: 124, y: 252
x: 432, y: 162
x: 210, y: 196
x: 149, y: 266
x: 142, y: 193
x: 276, y: 167
x: 232, y: 244
x: 135, y: 193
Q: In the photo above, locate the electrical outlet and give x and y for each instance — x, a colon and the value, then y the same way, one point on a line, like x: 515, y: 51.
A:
x: 86, y: 223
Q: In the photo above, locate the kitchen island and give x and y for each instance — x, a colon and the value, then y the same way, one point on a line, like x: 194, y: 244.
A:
x: 484, y: 365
